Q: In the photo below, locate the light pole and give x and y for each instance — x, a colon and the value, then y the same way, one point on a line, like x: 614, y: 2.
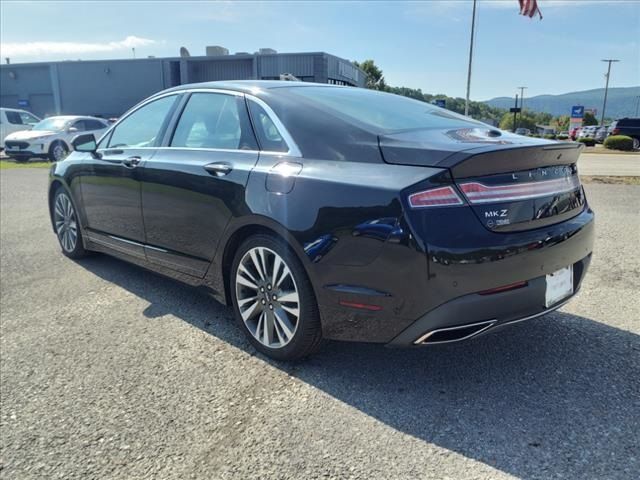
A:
x: 606, y: 88
x: 473, y: 26
x: 522, y: 89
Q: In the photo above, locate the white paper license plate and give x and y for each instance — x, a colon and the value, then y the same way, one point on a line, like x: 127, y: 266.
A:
x: 559, y: 285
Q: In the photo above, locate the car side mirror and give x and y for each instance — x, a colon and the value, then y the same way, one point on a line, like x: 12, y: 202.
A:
x: 72, y: 130
x: 85, y: 143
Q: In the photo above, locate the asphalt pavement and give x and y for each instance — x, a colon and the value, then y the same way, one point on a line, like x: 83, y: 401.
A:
x: 109, y: 371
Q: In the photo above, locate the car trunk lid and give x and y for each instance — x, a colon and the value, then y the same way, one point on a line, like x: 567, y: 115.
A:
x: 512, y: 183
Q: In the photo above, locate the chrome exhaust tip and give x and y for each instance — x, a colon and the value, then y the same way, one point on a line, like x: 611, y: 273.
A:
x: 453, y: 334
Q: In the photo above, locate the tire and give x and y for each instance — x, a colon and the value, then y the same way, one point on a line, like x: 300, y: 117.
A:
x: 272, y: 323
x: 66, y: 225
x: 636, y: 143
x: 58, y: 150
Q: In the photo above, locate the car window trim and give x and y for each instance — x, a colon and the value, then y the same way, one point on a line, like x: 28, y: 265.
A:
x: 293, y: 151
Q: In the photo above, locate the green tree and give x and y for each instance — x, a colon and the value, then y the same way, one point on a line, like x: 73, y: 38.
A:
x: 589, y: 119
x: 375, y: 78
x: 527, y: 120
x: 561, y: 123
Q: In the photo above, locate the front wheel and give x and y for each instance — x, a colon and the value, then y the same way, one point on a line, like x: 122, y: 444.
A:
x: 273, y: 299
x: 58, y: 151
x: 65, y: 220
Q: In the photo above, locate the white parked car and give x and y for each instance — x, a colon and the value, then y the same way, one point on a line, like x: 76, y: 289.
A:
x: 588, y: 132
x: 14, y: 120
x: 51, y: 138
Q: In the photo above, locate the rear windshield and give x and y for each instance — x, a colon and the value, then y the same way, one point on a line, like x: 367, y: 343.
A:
x: 383, y: 111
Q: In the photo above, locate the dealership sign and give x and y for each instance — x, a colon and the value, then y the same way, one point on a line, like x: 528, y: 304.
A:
x: 577, y: 114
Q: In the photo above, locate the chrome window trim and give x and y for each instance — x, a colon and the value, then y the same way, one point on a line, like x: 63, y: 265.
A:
x: 293, y: 151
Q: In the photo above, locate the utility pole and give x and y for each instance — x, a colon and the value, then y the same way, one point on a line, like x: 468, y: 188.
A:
x: 133, y: 49
x: 521, y: 102
x: 473, y: 28
x: 515, y: 114
x: 637, y: 105
x: 606, y: 88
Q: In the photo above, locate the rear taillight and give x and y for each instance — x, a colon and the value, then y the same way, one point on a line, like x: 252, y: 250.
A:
x: 480, y: 193
x: 615, y: 131
x: 437, y: 197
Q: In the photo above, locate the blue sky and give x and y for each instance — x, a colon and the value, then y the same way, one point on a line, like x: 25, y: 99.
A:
x: 421, y: 44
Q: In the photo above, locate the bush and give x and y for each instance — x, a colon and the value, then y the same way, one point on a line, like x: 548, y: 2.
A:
x: 562, y: 137
x: 535, y: 135
x: 619, y: 142
x: 550, y: 136
x: 588, y: 141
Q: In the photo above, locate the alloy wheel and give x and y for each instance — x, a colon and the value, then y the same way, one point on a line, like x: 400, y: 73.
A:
x: 267, y: 297
x: 65, y: 222
x: 59, y: 152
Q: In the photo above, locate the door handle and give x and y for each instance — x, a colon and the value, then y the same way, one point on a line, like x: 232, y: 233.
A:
x: 218, y: 169
x: 131, y: 162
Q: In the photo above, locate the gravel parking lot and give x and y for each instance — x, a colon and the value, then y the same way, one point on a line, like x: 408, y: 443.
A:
x: 109, y: 371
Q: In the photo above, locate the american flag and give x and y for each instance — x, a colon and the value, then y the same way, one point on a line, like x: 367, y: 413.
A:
x: 529, y: 8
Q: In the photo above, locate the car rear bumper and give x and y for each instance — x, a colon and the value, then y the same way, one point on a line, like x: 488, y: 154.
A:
x: 415, y: 292
x: 471, y: 315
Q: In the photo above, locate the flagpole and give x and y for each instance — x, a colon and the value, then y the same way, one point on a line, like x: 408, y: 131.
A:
x: 473, y: 26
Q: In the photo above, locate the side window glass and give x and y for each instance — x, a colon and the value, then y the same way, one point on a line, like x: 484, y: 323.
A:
x: 94, y: 125
x: 141, y: 128
x: 266, y: 131
x: 27, y: 118
x: 79, y: 125
x: 13, y: 118
x: 214, y: 120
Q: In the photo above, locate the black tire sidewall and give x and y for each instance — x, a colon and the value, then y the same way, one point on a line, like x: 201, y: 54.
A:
x: 53, y: 145
x: 308, y: 331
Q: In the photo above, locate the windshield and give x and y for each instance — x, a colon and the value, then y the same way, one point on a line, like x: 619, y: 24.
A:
x: 384, y: 110
x: 53, y: 124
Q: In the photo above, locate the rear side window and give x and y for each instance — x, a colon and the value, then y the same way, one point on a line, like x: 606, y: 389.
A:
x: 214, y: 120
x: 94, y: 125
x: 80, y: 125
x: 629, y: 122
x: 268, y: 135
x: 142, y: 128
x: 14, y: 117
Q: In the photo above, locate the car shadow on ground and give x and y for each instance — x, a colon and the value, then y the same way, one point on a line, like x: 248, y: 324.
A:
x: 557, y: 396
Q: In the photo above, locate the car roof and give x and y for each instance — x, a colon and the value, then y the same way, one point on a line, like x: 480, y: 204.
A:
x: 76, y: 117
x: 250, y: 86
x: 15, y: 110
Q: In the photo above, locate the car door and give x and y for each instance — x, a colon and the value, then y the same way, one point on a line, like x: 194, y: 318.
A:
x: 194, y: 184
x: 111, y: 180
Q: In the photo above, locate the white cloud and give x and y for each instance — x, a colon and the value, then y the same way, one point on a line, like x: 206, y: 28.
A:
x: 34, y: 49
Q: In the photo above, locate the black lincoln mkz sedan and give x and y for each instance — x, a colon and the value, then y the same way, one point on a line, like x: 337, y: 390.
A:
x: 331, y: 212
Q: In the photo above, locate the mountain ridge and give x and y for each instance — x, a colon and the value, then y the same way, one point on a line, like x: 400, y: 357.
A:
x: 621, y: 102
